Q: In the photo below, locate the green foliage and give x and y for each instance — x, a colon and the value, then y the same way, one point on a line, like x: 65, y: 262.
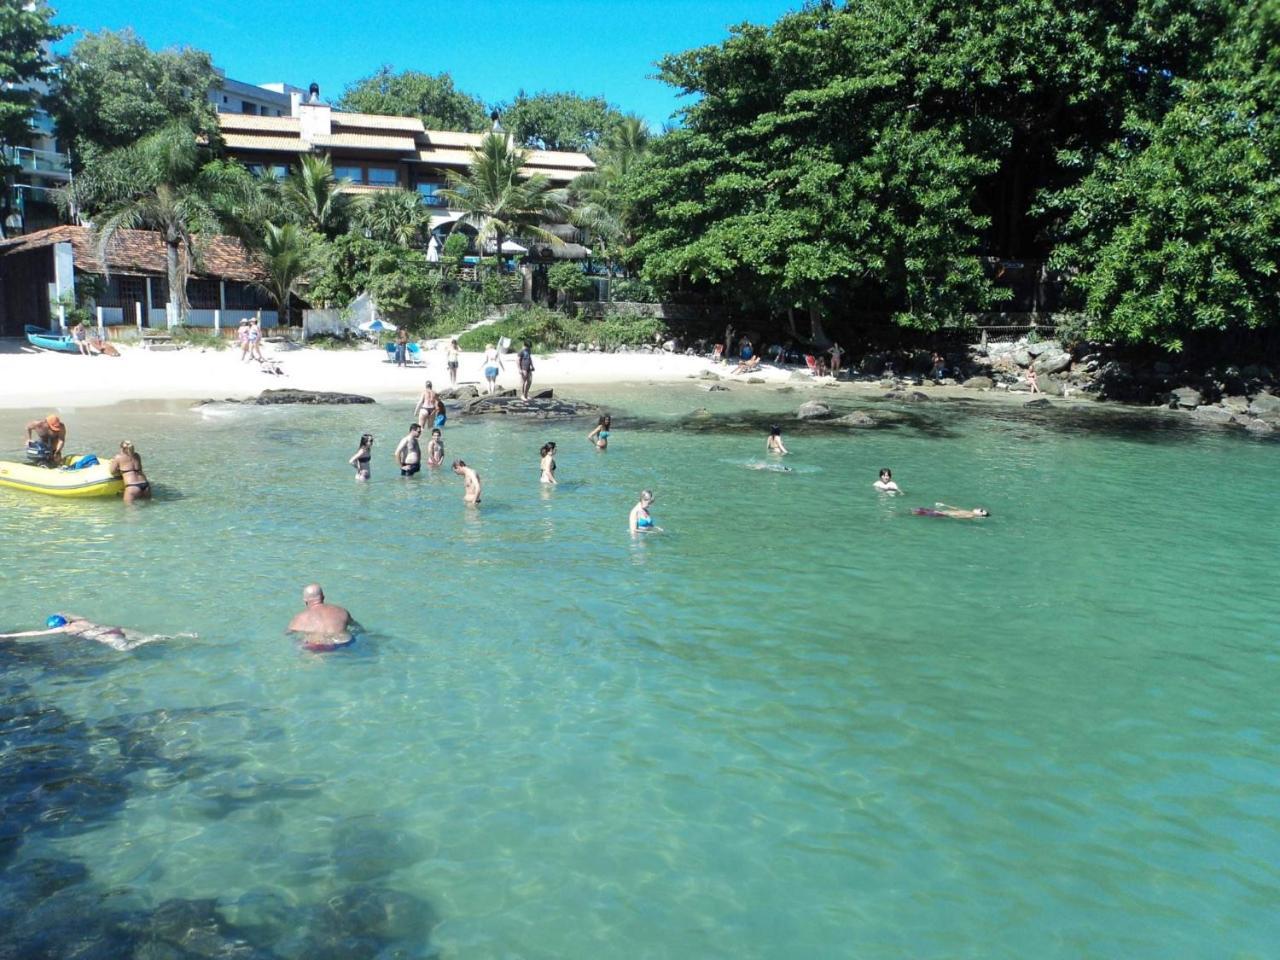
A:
x: 633, y: 290
x: 112, y: 89
x: 552, y: 330
x: 287, y: 257
x: 432, y: 98
x: 401, y: 282
x: 569, y: 280
x: 455, y: 247
x: 395, y: 216
x: 496, y: 288
x: 632, y: 330
x: 461, y: 310
x: 559, y: 121
x: 311, y: 197
x: 25, y: 29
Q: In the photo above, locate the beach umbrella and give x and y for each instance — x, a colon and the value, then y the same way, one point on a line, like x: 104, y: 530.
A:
x: 508, y: 246
x: 433, y: 250
x: 376, y: 325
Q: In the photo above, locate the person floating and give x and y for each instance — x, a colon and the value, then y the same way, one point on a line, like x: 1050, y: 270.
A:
x: 409, y: 452
x: 426, y: 408
x: 492, y: 364
x: 118, y: 638
x: 640, y: 518
x: 885, y: 484
x: 955, y: 513
x: 435, y: 449
x: 470, y: 482
x: 548, y: 454
x: 50, y: 437
x: 360, y: 459
x: 600, y: 434
x: 773, y: 443
x: 127, y: 465
x: 525, y: 363
x: 323, y: 626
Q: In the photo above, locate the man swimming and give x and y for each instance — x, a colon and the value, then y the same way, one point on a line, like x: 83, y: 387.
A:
x: 470, y: 482
x: 955, y: 513
x: 117, y: 638
x: 323, y: 626
x: 409, y: 452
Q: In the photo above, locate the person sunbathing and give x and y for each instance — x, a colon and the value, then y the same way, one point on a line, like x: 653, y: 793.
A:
x: 747, y: 366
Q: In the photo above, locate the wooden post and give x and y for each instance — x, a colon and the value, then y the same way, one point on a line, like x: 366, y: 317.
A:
x: 102, y: 333
x: 148, y: 301
x: 137, y: 310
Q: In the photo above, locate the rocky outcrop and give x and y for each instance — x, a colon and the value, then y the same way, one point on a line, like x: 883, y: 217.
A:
x: 855, y: 419
x: 813, y: 410
x: 317, y: 397
x: 465, y: 392
x: 1185, y: 398
x: 978, y: 383
x: 1264, y: 406
x: 534, y: 408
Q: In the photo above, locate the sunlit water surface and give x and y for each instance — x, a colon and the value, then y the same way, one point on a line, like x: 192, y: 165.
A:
x: 798, y: 723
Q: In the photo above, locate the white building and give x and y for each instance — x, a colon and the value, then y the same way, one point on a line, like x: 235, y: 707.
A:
x: 258, y: 100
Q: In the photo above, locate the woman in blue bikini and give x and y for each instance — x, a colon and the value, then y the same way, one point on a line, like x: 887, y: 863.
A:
x: 641, y: 519
x: 600, y: 435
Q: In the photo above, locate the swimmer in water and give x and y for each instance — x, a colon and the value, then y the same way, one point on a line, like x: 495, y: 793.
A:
x: 117, y: 638
x: 435, y: 449
x: 600, y: 435
x: 640, y: 518
x: 409, y: 452
x: 360, y: 459
x: 885, y: 484
x: 773, y: 442
x: 470, y: 482
x: 955, y: 513
x: 548, y: 454
x: 323, y: 626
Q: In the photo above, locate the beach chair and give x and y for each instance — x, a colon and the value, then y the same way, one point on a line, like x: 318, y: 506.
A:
x: 811, y: 362
x: 717, y: 353
x: 391, y: 353
x: 414, y: 356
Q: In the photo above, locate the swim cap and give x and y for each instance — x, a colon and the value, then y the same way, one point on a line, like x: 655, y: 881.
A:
x: 53, y: 420
x: 56, y: 620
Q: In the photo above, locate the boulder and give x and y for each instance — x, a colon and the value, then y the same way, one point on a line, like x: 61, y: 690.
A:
x: 979, y: 383
x: 716, y: 388
x: 1236, y: 404
x: 709, y: 375
x: 813, y: 410
x: 1044, y: 347
x: 756, y: 380
x: 1187, y: 398
x: 1265, y: 405
x: 467, y: 391
x: 1259, y: 426
x: 786, y: 390
x: 533, y: 408
x: 669, y: 346
x: 1212, y: 415
x: 1022, y: 357
x: 1053, y: 363
x: 855, y: 419
x: 542, y: 395
x: 273, y: 397
x: 1037, y: 402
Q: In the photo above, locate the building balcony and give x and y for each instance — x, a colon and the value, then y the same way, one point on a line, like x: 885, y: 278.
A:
x: 44, y: 163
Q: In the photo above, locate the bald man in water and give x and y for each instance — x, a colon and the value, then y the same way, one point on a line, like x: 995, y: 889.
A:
x: 324, y: 626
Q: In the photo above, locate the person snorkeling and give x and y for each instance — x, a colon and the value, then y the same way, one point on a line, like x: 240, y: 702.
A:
x: 118, y: 638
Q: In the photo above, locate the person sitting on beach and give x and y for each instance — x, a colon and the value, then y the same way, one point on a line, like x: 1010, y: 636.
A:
x: 1033, y: 379
x: 451, y: 361
x: 470, y: 482
x: 271, y: 367
x: 955, y: 513
x: 426, y: 408
x: 50, y: 437
x: 548, y: 462
x: 127, y: 465
x: 118, y: 638
x: 745, y: 350
x: 492, y: 364
x: 885, y: 484
x: 409, y: 452
x: 747, y: 366
x: 323, y: 626
x: 360, y: 459
x: 640, y: 518
x: 435, y: 449
x: 773, y: 442
x: 81, y: 339
x: 600, y: 434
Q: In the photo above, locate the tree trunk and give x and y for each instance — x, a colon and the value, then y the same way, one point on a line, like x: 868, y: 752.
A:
x: 816, y: 333
x: 791, y: 323
x: 177, y: 281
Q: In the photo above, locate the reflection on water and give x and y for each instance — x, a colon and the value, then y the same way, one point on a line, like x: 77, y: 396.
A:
x: 799, y: 722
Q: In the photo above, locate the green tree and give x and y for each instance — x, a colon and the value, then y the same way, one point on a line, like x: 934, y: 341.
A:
x: 286, y: 255
x: 432, y: 98
x: 558, y: 121
x: 569, y: 282
x: 312, y: 197
x: 160, y: 183
x: 399, y: 280
x: 393, y: 216
x: 26, y: 29
x: 599, y: 199
x: 499, y: 200
x: 111, y: 90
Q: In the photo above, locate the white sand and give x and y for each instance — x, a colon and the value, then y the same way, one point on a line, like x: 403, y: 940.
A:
x: 53, y: 380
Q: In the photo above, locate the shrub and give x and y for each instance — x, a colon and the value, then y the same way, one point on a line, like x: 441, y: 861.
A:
x: 569, y: 281
x: 633, y: 290
x: 616, y: 330
x: 544, y: 329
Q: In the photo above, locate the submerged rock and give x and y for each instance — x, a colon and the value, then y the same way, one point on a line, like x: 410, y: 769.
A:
x: 856, y: 419
x: 716, y: 388
x: 535, y: 408
x: 813, y: 410
x: 270, y: 397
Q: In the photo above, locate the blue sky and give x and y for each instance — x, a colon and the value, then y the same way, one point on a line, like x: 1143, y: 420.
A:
x: 491, y: 48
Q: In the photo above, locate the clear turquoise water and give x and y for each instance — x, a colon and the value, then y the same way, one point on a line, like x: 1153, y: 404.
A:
x: 800, y: 722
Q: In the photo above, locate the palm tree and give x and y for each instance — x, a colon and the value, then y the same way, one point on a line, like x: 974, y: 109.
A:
x: 159, y: 183
x: 394, y: 216
x: 599, y: 196
x: 285, y: 254
x: 313, y: 197
x: 498, y: 199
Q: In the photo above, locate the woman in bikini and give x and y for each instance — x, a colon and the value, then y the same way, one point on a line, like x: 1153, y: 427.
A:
x: 600, y: 435
x: 127, y: 465
x: 360, y: 459
x: 640, y: 518
x: 492, y: 364
x: 451, y: 361
x: 548, y: 454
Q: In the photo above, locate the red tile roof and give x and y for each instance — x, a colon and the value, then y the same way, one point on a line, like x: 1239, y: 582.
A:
x: 138, y: 252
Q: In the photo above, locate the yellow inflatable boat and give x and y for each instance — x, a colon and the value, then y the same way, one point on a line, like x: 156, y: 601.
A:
x: 64, y: 481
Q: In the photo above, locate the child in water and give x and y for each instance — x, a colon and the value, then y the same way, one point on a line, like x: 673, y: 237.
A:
x: 885, y: 484
x: 435, y: 449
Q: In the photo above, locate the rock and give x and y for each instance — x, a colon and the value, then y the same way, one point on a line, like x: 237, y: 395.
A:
x: 1022, y: 357
x: 709, y: 375
x: 813, y: 410
x: 1236, y: 404
x: 542, y: 395
x: 1044, y: 347
x: 702, y: 413
x: 978, y: 383
x: 1212, y: 415
x: 271, y: 397
x: 669, y: 346
x: 1053, y: 363
x: 580, y: 347
x: 1259, y: 426
x: 855, y: 419
x: 716, y: 388
x: 915, y: 396
x: 1037, y: 402
x: 533, y: 408
x: 465, y: 392
x: 1188, y: 398
x: 786, y: 390
x: 756, y: 380
x: 1265, y: 405
x: 800, y: 375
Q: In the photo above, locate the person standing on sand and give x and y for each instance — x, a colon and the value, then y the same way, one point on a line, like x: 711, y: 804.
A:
x: 451, y: 361
x: 435, y: 449
x: 548, y: 454
x: 242, y: 337
x: 600, y: 434
x: 426, y: 405
x: 127, y: 465
x: 360, y: 459
x: 402, y: 346
x: 525, y: 362
x: 324, y: 626
x: 409, y: 452
x: 255, y: 340
x: 470, y: 482
x: 492, y: 364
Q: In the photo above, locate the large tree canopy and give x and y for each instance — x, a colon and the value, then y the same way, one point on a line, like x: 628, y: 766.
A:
x: 25, y: 30
x: 432, y: 98
x: 559, y: 121
x: 112, y: 90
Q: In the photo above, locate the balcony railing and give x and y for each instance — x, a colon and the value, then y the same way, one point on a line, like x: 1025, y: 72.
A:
x: 29, y: 160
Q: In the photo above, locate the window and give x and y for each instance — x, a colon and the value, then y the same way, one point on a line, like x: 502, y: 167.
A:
x: 354, y: 174
x: 430, y: 197
x: 383, y: 176
x: 247, y: 107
